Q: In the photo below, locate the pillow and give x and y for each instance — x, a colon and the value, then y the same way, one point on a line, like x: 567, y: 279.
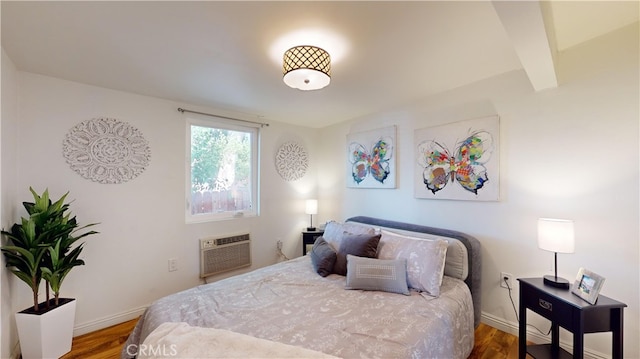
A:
x: 323, y: 257
x: 333, y: 231
x: 425, y: 259
x: 456, y: 264
x: 361, y: 245
x: 377, y: 274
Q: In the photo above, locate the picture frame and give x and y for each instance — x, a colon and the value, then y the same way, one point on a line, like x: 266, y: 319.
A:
x: 587, y: 285
x: 458, y: 161
x: 371, y: 162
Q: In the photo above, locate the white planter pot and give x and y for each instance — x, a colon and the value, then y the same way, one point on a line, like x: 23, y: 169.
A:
x: 47, y: 335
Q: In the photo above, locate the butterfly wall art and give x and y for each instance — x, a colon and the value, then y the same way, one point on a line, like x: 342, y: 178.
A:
x: 370, y: 159
x: 458, y: 161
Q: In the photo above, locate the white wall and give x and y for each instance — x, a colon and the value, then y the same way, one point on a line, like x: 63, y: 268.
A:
x: 8, y: 133
x: 569, y: 152
x: 142, y: 221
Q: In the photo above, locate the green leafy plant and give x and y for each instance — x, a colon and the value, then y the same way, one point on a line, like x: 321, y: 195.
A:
x: 42, y: 245
x: 24, y: 257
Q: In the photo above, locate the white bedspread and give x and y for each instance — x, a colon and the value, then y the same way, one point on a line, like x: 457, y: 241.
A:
x: 289, y: 303
x: 180, y: 340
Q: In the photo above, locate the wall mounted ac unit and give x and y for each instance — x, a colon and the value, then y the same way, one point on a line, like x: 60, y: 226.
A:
x: 224, y: 254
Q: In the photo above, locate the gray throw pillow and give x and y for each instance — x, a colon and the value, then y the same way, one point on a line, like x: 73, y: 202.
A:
x: 323, y: 257
x: 360, y: 245
x: 387, y: 275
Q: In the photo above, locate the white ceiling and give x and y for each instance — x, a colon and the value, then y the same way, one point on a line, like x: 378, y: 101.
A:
x: 578, y: 21
x: 227, y: 55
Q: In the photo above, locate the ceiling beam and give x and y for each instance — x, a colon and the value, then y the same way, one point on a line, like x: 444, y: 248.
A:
x: 524, y: 23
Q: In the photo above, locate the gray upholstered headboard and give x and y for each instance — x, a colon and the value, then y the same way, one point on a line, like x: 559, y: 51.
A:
x: 471, y: 243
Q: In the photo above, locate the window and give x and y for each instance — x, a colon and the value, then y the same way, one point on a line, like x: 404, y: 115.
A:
x: 222, y: 172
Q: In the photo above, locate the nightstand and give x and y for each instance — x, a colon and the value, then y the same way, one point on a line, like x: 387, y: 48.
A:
x: 308, y: 238
x: 567, y: 310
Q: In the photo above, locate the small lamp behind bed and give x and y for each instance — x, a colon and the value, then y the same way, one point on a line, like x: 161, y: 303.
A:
x: 311, y: 208
x: 556, y: 235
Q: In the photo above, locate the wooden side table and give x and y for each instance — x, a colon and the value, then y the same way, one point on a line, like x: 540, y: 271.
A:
x: 564, y: 309
x: 308, y: 238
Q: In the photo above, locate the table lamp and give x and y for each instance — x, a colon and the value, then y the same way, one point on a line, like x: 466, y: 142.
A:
x: 311, y: 208
x: 557, y: 236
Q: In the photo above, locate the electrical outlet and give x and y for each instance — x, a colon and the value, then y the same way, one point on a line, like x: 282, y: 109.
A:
x: 508, y: 276
x: 173, y: 264
x: 279, y: 245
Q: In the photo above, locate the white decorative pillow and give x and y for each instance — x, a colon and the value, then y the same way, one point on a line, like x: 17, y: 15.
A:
x: 457, y: 263
x: 334, y: 231
x: 425, y: 259
x: 377, y: 274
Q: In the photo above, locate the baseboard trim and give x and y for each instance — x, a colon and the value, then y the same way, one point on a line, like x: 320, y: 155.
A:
x: 108, y: 321
x: 534, y: 336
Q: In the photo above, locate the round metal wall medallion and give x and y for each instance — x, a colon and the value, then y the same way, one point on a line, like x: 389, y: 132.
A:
x: 106, y: 150
x: 291, y: 161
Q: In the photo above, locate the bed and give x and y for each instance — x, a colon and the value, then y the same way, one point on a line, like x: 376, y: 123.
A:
x: 289, y: 310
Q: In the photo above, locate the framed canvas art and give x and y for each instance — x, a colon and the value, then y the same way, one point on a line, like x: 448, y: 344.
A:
x: 458, y: 161
x: 370, y: 159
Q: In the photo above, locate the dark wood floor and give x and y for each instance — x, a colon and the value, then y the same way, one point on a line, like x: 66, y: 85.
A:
x: 102, y: 344
x: 493, y: 343
x: 490, y: 343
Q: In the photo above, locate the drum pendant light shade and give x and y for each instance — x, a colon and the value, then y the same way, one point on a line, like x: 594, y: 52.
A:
x: 306, y: 68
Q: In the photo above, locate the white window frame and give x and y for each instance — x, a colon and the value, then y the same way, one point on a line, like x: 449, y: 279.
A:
x: 216, y: 122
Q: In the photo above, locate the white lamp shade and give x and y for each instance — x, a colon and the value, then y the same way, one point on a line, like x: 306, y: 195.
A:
x: 306, y: 79
x: 311, y: 206
x: 556, y: 235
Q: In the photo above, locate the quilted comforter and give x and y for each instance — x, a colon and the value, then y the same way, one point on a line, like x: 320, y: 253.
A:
x: 289, y: 303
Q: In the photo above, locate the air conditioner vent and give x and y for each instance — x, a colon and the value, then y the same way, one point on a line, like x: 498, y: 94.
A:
x: 234, y: 239
x: 224, y: 253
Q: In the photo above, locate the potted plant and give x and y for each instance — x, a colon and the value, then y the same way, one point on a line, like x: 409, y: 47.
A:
x: 41, y: 247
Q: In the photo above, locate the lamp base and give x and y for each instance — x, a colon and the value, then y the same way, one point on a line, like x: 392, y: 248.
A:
x: 557, y: 282
x: 311, y: 229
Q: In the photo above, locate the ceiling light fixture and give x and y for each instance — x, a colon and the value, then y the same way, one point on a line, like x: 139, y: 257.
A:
x: 306, y: 67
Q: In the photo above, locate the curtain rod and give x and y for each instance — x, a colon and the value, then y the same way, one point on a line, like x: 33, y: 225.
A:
x: 262, y: 124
